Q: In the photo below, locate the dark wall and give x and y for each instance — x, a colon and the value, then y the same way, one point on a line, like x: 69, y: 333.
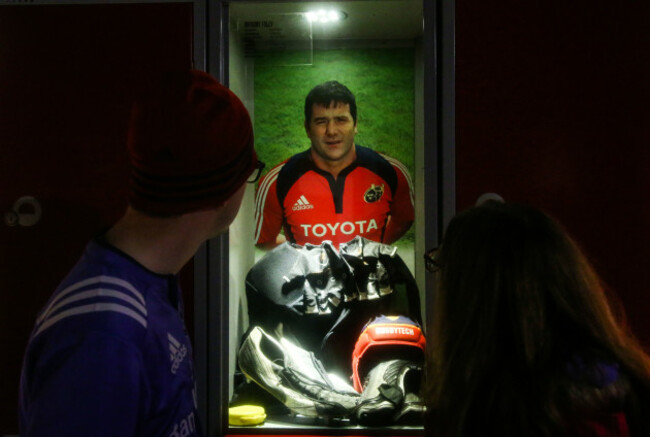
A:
x: 68, y: 75
x: 553, y: 110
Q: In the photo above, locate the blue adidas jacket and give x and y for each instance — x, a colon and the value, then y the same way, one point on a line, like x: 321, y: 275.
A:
x: 109, y: 355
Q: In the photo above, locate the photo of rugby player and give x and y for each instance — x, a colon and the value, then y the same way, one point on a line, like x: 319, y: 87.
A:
x: 336, y: 189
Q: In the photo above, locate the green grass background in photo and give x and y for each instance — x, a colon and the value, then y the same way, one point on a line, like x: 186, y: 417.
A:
x: 382, y: 81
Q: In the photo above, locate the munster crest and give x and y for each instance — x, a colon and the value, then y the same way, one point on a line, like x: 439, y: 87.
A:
x: 373, y: 193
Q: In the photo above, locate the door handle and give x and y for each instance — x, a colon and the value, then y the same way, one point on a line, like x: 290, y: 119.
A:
x: 26, y: 212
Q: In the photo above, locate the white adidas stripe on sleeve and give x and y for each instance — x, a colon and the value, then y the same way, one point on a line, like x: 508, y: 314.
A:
x: 260, y: 201
x: 402, y: 168
x: 92, y: 308
x: 95, y: 293
x: 84, y: 301
x: 94, y: 280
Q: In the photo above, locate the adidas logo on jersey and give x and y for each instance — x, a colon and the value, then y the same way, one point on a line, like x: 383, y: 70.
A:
x: 301, y: 204
x: 177, y: 352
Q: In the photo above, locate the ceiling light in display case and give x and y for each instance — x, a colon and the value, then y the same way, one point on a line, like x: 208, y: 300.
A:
x: 326, y: 16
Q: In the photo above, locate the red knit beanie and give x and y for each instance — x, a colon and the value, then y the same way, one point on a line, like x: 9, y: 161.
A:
x: 191, y: 145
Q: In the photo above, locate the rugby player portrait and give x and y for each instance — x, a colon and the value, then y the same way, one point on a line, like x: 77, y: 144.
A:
x: 336, y: 189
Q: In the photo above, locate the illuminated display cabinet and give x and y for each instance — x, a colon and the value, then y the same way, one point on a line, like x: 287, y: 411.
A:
x: 272, y: 54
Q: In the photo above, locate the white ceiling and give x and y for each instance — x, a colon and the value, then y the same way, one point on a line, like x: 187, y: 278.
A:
x: 366, y: 19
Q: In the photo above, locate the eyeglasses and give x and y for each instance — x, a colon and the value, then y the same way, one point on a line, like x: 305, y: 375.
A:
x: 430, y: 263
x: 257, y: 172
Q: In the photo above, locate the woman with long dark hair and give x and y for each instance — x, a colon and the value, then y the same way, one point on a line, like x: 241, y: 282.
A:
x: 525, y: 340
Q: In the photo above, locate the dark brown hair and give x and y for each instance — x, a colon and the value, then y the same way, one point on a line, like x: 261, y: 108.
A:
x: 517, y: 305
x: 327, y: 93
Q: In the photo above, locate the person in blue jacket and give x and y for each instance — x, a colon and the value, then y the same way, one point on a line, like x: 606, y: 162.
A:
x: 109, y: 354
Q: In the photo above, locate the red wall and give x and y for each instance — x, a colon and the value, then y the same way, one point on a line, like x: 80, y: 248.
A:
x: 68, y: 74
x: 553, y: 109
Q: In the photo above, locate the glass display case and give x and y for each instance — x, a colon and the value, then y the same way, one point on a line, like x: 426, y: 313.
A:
x: 272, y: 54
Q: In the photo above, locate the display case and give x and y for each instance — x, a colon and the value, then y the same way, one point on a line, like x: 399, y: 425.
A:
x: 272, y: 54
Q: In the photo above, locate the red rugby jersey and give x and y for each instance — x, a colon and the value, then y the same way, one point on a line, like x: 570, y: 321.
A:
x: 372, y: 197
